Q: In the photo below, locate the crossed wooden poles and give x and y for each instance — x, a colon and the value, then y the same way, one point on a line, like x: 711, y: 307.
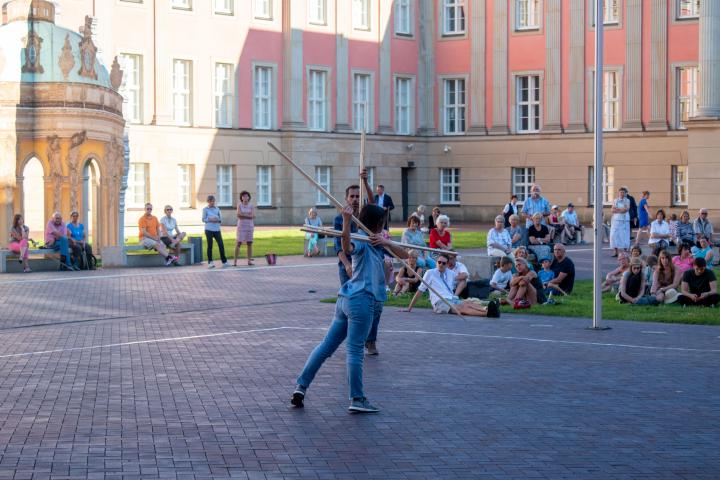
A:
x: 360, y: 225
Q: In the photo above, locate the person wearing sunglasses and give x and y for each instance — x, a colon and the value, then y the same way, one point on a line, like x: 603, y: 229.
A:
x: 632, y: 285
x: 149, y: 228
x: 172, y: 237
x: 703, y: 227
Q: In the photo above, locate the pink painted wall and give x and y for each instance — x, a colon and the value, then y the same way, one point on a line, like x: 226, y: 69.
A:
x: 259, y: 46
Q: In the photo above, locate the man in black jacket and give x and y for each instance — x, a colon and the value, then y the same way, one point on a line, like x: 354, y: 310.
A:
x: 385, y: 201
x: 633, y: 212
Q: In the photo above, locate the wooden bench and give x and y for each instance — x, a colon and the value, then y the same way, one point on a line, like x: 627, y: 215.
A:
x: 139, y: 256
x: 38, y: 260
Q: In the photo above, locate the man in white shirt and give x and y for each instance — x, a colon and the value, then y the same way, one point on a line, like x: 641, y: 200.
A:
x: 172, y: 235
x: 461, y: 274
x: 572, y: 226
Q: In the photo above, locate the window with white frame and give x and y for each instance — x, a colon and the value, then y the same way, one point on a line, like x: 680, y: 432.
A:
x: 264, y: 185
x: 317, y: 100
x: 527, y: 14
x: 403, y: 106
x: 688, y: 8
x: 182, y: 91
x: 138, y: 185
x: 454, y: 105
x: 611, y: 11
x: 680, y: 185
x: 361, y: 14
x: 322, y: 176
x: 403, y: 17
x: 522, y: 180
x: 608, y: 190
x: 223, y: 95
x: 317, y: 12
x: 687, y: 95
x: 182, y: 4
x: 527, y: 92
x: 224, y: 186
x: 262, y: 98
x: 263, y: 9
x: 453, y: 17
x: 449, y: 185
x: 611, y: 101
x: 361, y: 102
x: 185, y: 183
x: 131, y: 88
x: 224, y: 7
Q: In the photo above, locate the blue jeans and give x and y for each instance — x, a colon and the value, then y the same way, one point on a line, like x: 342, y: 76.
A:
x: 353, y: 319
x: 342, y: 274
x: 61, y: 244
x: 427, y: 262
x: 377, y: 308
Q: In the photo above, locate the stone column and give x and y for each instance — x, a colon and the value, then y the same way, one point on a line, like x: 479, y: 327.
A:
x: 553, y: 69
x: 500, y: 73
x: 342, y: 28
x: 658, y: 66
x: 477, y: 69
x: 293, y: 17
x: 426, y: 68
x: 576, y: 68
x: 633, y: 66
x: 385, y: 78
x: 709, y: 62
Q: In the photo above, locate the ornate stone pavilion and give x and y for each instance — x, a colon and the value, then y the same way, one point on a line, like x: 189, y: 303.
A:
x: 61, y: 117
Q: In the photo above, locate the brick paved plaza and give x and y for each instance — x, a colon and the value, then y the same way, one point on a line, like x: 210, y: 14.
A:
x: 187, y: 373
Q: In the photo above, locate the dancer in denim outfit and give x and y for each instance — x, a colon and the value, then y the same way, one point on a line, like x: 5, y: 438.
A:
x: 360, y: 300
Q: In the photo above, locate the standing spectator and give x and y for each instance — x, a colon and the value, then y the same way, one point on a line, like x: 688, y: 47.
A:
x: 665, y: 279
x: 564, y: 270
x: 406, y: 281
x: 352, y: 197
x: 510, y: 209
x: 535, y: 204
x: 385, y: 201
x: 432, y: 219
x: 683, y: 260
x: 212, y: 219
x: 56, y: 238
x: 149, y: 232
x: 19, y: 238
x: 643, y: 216
x: 685, y: 230
x: 573, y: 230
x: 703, y: 228
x: 413, y: 236
x: 703, y: 251
x: 173, y: 236
x: 312, y: 220
x: 632, y: 284
x: 699, y: 286
x: 81, y: 250
x: 440, y: 236
x: 499, y: 243
x: 632, y: 211
x: 245, y: 227
x: 525, y: 287
x: 620, y: 226
x: 539, y: 237
x: 659, y: 232
x: 518, y: 233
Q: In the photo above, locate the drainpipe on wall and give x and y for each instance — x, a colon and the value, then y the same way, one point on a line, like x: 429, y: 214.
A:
x: 123, y: 186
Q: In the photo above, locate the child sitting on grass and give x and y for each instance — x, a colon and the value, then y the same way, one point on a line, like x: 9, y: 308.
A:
x: 500, y: 281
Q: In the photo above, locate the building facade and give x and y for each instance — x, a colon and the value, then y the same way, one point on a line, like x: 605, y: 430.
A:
x: 466, y: 101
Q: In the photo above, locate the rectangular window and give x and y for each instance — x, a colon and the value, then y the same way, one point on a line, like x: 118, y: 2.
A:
x: 608, y: 185
x: 611, y: 12
x: 453, y: 17
x: 181, y: 4
x: 224, y: 7
x: 185, y: 183
x: 316, y: 12
x: 322, y: 176
x: 263, y: 9
x: 403, y: 17
x: 611, y: 101
x: 262, y: 104
x: 403, y: 106
x: 449, y: 185
x: 361, y: 102
x: 223, y: 95
x: 317, y: 100
x: 131, y: 88
x: 527, y: 14
x: 522, y: 180
x: 264, y: 186
x: 138, y: 185
x: 361, y: 14
x: 680, y: 185
x: 182, y: 91
x: 224, y: 186
x: 688, y: 8
x: 528, y: 103
x: 687, y: 95
x: 454, y: 106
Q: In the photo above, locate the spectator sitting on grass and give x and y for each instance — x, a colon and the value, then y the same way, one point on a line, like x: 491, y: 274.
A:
x: 461, y: 274
x: 613, y: 277
x: 650, y: 263
x: 564, y: 270
x: 501, y: 280
x: 635, y: 252
x: 699, y: 286
x: 632, y: 285
x: 704, y: 251
x: 665, y: 279
x: 525, y: 286
x: 546, y: 275
x: 521, y: 252
x: 406, y: 281
x: 683, y: 261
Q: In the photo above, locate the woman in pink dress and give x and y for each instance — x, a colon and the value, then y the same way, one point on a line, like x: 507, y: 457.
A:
x: 245, y: 226
x: 19, y: 237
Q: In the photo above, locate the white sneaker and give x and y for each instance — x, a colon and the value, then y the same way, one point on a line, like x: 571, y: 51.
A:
x: 211, y: 265
x: 225, y: 265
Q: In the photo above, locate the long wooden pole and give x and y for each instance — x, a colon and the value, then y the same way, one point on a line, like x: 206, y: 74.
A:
x: 360, y: 225
x: 363, y: 138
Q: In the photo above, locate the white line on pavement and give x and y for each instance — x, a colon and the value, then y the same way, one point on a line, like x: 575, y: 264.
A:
x: 541, y: 325
x: 654, y: 333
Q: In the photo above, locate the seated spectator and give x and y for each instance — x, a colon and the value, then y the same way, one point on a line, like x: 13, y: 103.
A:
x: 685, y: 232
x: 613, y: 278
x: 555, y: 223
x: 683, y: 261
x: 413, y: 236
x: 648, y: 270
x: 521, y: 252
x: 312, y: 220
x: 564, y: 270
x: 539, y: 237
x: 665, y: 280
x: 635, y: 252
x: 673, y: 222
x: 420, y: 214
x: 406, y: 281
x: 703, y: 251
x: 19, y: 238
x: 461, y: 274
x: 699, y: 286
x: 525, y: 287
x: 172, y: 237
x: 499, y: 242
x: 659, y: 232
x: 440, y: 236
x: 57, y: 239
x: 432, y: 219
x: 518, y: 233
x: 388, y: 263
x: 572, y: 230
x: 510, y: 209
x: 632, y: 284
x: 441, y: 279
x: 149, y: 232
x: 703, y: 227
x: 500, y: 281
x: 545, y: 274
x: 81, y: 250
